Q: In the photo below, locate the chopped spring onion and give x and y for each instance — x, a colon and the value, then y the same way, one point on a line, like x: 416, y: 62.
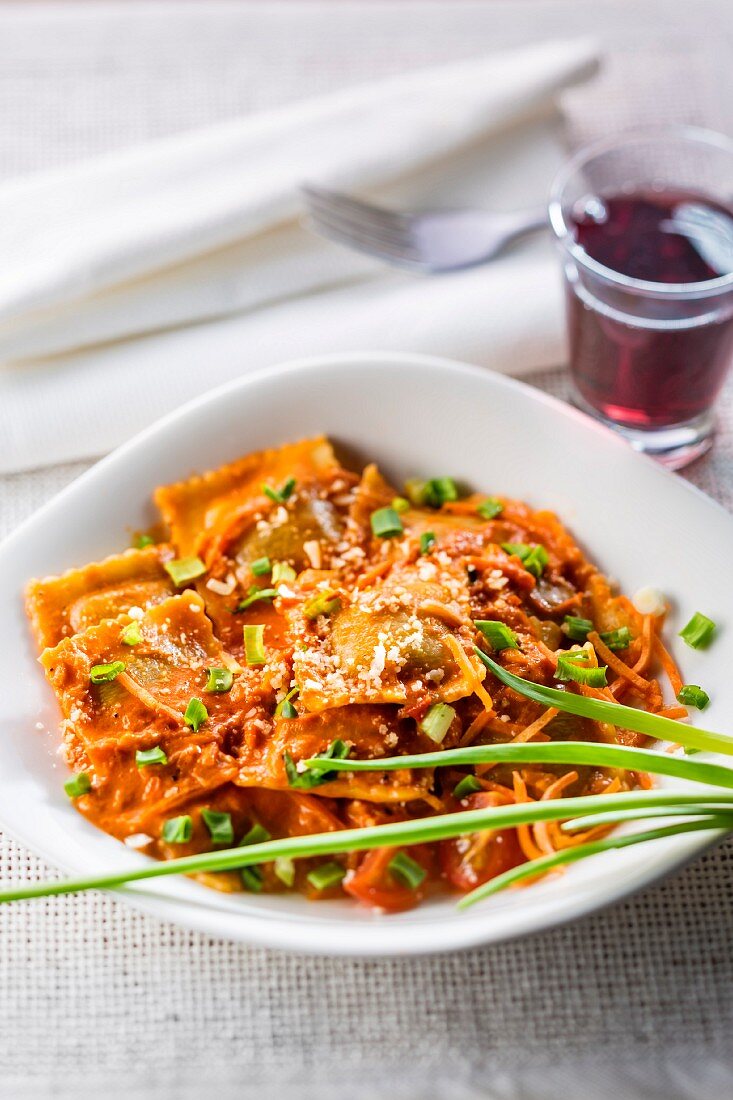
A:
x: 393, y: 835
x: 253, y: 878
x: 254, y: 645
x: 602, y: 710
x: 468, y: 785
x: 131, y: 634
x: 406, y: 870
x: 401, y: 505
x: 325, y: 602
x: 220, y: 680
x: 260, y: 567
x: 533, y: 558
x: 178, y: 830
x: 327, y: 875
x: 699, y: 631
x: 587, y: 753
x: 437, y: 722
x: 254, y: 595
x: 104, y: 674
x: 432, y: 493
x: 617, y: 639
x: 386, y: 524
x: 427, y: 542
x: 285, y: 870
x: 78, y: 785
x: 577, y: 629
x: 574, y: 666
x: 184, y: 570
x: 693, y: 696
x: 196, y: 714
x: 304, y: 780
x: 285, y: 708
x: 258, y: 834
x: 490, y: 508
x: 279, y: 496
x: 497, y: 634
x: 570, y: 855
x: 282, y: 573
x: 146, y: 758
x: 219, y: 825
x: 141, y: 541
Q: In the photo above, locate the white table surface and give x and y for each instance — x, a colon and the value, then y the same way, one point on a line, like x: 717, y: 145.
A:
x: 99, y: 1001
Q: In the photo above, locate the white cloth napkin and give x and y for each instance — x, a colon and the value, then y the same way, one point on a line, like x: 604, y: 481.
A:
x: 104, y: 263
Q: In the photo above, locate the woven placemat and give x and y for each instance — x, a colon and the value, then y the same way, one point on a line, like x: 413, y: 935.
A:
x: 97, y: 1000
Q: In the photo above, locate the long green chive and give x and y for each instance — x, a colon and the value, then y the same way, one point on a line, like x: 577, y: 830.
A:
x: 279, y: 496
x: 253, y: 878
x: 178, y: 830
x: 386, y: 524
x: 104, y: 674
x: 318, y: 773
x: 219, y: 825
x: 427, y: 542
x: 282, y: 573
x: 699, y: 631
x: 325, y: 602
x: 616, y: 714
x: 533, y: 558
x: 285, y: 708
x: 254, y: 645
x: 141, y: 541
x: 258, y: 834
x: 577, y: 629
x: 220, y: 680
x: 693, y: 696
x: 497, y: 634
x: 146, y: 758
x: 131, y: 634
x: 78, y: 785
x: 394, y: 835
x: 587, y: 753
x: 260, y: 566
x: 184, y: 570
x: 327, y: 875
x: 468, y: 785
x: 195, y: 715
x: 574, y: 666
x: 616, y: 817
x: 406, y: 870
x: 285, y: 870
x: 254, y: 595
x: 401, y: 505
x: 617, y: 639
x: 490, y: 508
x: 571, y: 855
x: 437, y: 722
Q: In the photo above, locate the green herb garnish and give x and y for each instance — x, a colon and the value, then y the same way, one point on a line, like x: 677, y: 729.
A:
x: 699, y: 631
x: 427, y: 542
x: 195, y: 715
x: 406, y: 870
x: 254, y: 644
x: 178, y: 830
x: 437, y: 722
x: 386, y: 523
x: 220, y: 680
x: 327, y: 875
x: 318, y: 773
x: 497, y: 634
x: 184, y: 570
x: 146, y: 758
x: 693, y: 696
x: 490, y: 508
x: 104, y: 674
x: 219, y: 825
x: 78, y: 785
x: 279, y: 496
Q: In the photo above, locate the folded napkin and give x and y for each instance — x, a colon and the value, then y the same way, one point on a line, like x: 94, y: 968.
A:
x: 106, y: 262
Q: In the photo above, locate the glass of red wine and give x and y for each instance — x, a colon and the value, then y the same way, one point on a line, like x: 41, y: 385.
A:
x: 645, y: 229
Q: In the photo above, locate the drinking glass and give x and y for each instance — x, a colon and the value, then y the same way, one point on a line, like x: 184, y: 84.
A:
x: 649, y: 356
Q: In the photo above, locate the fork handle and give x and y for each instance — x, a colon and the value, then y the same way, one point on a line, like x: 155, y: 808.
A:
x: 520, y: 222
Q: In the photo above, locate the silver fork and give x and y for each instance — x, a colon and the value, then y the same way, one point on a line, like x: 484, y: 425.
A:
x: 421, y: 240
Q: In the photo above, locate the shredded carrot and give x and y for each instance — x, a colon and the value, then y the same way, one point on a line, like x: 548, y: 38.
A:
x: 373, y: 574
x: 673, y: 712
x: 609, y: 657
x: 524, y: 832
x: 647, y: 635
x: 542, y: 835
x: 474, y: 729
x: 469, y: 673
x: 669, y: 665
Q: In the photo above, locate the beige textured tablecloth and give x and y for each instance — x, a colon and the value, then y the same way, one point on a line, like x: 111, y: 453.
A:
x: 99, y: 1001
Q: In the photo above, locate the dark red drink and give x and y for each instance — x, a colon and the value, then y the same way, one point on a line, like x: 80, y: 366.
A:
x: 644, y: 358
